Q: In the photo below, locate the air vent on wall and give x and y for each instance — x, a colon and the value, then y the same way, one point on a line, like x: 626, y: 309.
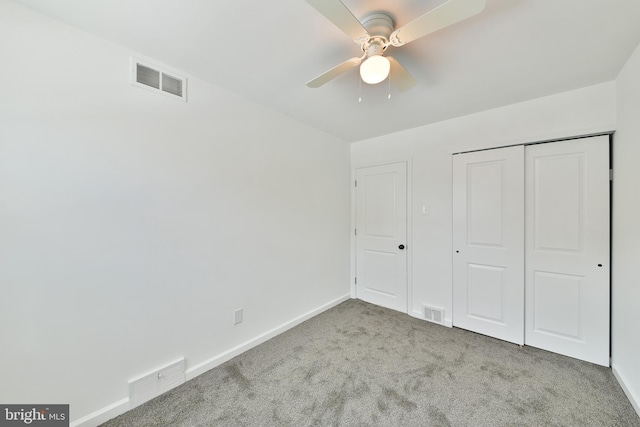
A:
x: 149, y: 76
x: 433, y: 314
x: 155, y: 383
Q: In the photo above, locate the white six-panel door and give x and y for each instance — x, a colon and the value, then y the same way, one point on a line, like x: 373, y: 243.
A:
x: 381, y: 235
x: 567, y: 248
x: 488, y: 240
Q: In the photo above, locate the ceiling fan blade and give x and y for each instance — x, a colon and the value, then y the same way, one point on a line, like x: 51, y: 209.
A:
x: 334, y: 72
x: 399, y: 76
x: 442, y: 16
x: 336, y: 12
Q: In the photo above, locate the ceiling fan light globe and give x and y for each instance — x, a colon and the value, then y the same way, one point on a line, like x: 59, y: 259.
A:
x: 375, y: 69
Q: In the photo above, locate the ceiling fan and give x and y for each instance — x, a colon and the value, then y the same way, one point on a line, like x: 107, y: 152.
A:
x: 376, y: 32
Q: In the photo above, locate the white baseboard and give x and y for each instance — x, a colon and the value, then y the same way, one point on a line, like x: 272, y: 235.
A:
x: 635, y: 400
x: 203, y: 367
x: 103, y: 415
x: 120, y: 407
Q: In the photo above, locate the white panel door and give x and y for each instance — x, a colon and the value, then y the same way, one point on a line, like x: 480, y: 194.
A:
x: 488, y: 243
x: 381, y: 235
x: 567, y: 248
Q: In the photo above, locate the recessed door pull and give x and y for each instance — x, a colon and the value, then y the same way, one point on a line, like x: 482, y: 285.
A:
x: 401, y: 247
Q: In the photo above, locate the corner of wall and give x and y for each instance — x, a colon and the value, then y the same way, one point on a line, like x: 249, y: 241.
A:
x: 631, y: 395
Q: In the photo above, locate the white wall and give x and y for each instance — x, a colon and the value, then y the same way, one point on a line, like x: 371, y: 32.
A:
x: 429, y: 148
x: 626, y: 231
x: 132, y: 225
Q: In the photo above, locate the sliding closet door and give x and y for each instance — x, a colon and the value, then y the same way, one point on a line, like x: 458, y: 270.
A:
x: 488, y: 243
x: 567, y: 248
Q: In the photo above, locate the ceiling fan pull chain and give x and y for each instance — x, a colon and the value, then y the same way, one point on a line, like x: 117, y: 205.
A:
x: 360, y: 83
x: 389, y: 78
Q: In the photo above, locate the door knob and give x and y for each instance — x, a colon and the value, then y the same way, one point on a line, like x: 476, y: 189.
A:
x: 401, y: 247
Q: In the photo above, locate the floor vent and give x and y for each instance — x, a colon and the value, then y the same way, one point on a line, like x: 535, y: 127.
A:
x: 433, y: 314
x: 155, y: 383
x: 152, y: 77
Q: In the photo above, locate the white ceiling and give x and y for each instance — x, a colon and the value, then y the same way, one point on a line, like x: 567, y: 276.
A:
x: 267, y: 50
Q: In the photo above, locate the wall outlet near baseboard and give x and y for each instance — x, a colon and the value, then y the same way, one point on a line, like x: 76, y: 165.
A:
x: 237, y: 316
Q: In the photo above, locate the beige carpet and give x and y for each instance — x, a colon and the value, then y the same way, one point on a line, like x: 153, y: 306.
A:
x: 361, y: 365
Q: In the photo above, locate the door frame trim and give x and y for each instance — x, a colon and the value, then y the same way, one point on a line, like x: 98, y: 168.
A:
x: 352, y: 270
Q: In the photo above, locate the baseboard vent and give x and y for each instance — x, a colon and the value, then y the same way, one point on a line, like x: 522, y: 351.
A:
x: 155, y: 383
x: 152, y: 77
x: 433, y: 314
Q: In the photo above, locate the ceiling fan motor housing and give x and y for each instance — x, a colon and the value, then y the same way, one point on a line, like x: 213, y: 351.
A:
x: 379, y: 26
x: 375, y: 46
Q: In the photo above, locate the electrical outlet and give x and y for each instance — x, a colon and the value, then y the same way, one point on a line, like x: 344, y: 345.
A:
x: 237, y: 316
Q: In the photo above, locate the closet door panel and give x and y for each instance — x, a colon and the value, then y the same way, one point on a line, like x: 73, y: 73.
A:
x: 488, y: 237
x: 567, y: 248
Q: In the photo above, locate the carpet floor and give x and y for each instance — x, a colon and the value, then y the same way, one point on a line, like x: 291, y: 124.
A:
x: 362, y: 365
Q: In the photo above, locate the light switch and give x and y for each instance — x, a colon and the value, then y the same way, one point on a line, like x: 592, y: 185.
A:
x: 237, y: 316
